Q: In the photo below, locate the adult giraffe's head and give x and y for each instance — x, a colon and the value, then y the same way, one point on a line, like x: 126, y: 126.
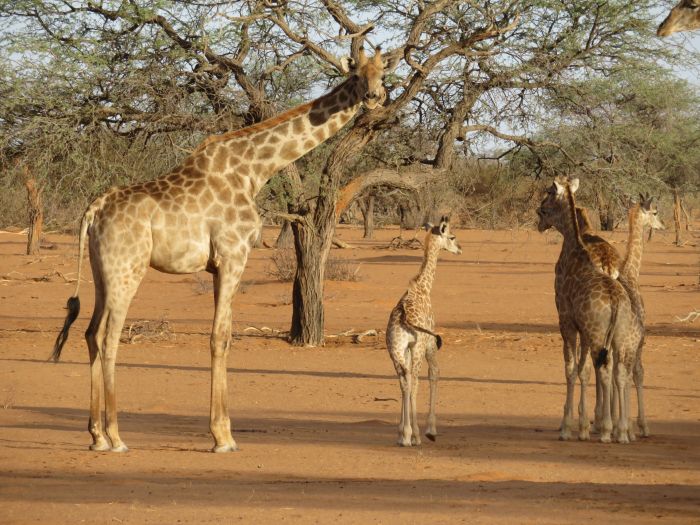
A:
x: 684, y: 17
x: 370, y: 72
x: 554, y: 207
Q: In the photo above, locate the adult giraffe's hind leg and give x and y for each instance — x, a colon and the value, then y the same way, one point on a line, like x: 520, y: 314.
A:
x: 95, y: 332
x: 584, y: 373
x: 226, y: 281
x: 639, y: 385
x: 119, y: 291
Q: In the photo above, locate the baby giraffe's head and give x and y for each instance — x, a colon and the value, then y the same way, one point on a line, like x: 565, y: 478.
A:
x: 650, y: 213
x: 441, y: 235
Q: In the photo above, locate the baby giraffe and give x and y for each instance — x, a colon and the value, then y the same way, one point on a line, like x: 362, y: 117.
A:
x: 410, y: 336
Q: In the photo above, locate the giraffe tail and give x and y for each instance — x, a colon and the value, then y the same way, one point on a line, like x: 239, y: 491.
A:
x: 438, y: 339
x: 602, y: 358
x: 73, y: 305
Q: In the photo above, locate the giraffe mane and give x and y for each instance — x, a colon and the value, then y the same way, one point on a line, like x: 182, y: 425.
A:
x: 266, y: 124
x: 572, y: 212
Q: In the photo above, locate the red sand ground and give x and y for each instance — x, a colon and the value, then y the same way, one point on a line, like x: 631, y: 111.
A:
x: 317, y: 427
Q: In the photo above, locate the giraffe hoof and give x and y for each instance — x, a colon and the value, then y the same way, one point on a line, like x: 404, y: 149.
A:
x: 404, y: 443
x: 415, y: 441
x: 644, y: 430
x: 120, y: 448
x: 605, y: 439
x: 584, y: 435
x: 432, y: 436
x: 100, y: 446
x: 220, y: 449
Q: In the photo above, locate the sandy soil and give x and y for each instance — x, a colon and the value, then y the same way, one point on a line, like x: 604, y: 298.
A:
x: 317, y: 427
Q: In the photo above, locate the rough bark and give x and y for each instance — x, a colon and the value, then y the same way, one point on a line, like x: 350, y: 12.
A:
x: 307, y: 291
x: 286, y: 237
x: 313, y: 237
x: 36, y: 214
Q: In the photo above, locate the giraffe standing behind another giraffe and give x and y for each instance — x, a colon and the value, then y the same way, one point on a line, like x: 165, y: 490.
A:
x: 606, y: 257
x: 595, y: 307
x: 410, y: 336
x: 200, y: 216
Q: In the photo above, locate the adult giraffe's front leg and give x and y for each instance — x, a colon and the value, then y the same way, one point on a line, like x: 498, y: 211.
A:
x: 226, y: 279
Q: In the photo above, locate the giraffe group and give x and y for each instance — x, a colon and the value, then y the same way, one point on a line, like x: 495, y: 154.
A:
x: 596, y: 308
x: 202, y: 216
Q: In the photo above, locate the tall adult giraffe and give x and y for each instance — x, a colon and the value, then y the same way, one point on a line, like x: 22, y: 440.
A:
x: 685, y: 16
x: 200, y: 216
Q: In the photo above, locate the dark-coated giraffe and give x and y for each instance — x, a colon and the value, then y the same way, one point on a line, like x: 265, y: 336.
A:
x: 595, y: 307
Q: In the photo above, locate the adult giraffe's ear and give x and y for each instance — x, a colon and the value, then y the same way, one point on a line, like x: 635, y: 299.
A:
x: 390, y: 60
x: 559, y: 188
x: 347, y: 65
x: 427, y: 226
x: 573, y: 185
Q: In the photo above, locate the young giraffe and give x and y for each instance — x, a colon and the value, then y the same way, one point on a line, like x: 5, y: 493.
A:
x: 200, y: 216
x: 410, y: 336
x: 685, y: 16
x: 595, y: 307
x: 607, y: 258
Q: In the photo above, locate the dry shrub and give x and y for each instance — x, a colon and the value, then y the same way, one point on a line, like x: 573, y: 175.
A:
x: 339, y: 269
x: 284, y: 265
x: 147, y: 330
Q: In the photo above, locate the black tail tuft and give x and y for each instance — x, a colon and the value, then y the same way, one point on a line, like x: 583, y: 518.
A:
x: 73, y: 307
x: 602, y: 358
x: 438, y: 341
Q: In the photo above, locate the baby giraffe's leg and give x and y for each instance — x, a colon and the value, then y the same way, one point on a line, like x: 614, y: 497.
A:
x: 416, y: 363
x: 433, y: 376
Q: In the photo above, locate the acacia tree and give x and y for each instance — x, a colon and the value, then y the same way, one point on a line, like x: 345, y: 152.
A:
x: 161, y: 70
x: 628, y: 133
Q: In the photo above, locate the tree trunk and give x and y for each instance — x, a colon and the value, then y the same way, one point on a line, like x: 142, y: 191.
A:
x: 286, y: 237
x: 677, y: 215
x: 307, y: 292
x: 368, y: 216
x: 36, y: 214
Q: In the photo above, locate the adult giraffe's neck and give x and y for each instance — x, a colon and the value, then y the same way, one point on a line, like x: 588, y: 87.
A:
x: 635, y: 244
x: 259, y: 151
x: 569, y: 226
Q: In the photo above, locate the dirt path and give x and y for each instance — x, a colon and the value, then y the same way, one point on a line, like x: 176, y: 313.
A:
x: 317, y: 427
